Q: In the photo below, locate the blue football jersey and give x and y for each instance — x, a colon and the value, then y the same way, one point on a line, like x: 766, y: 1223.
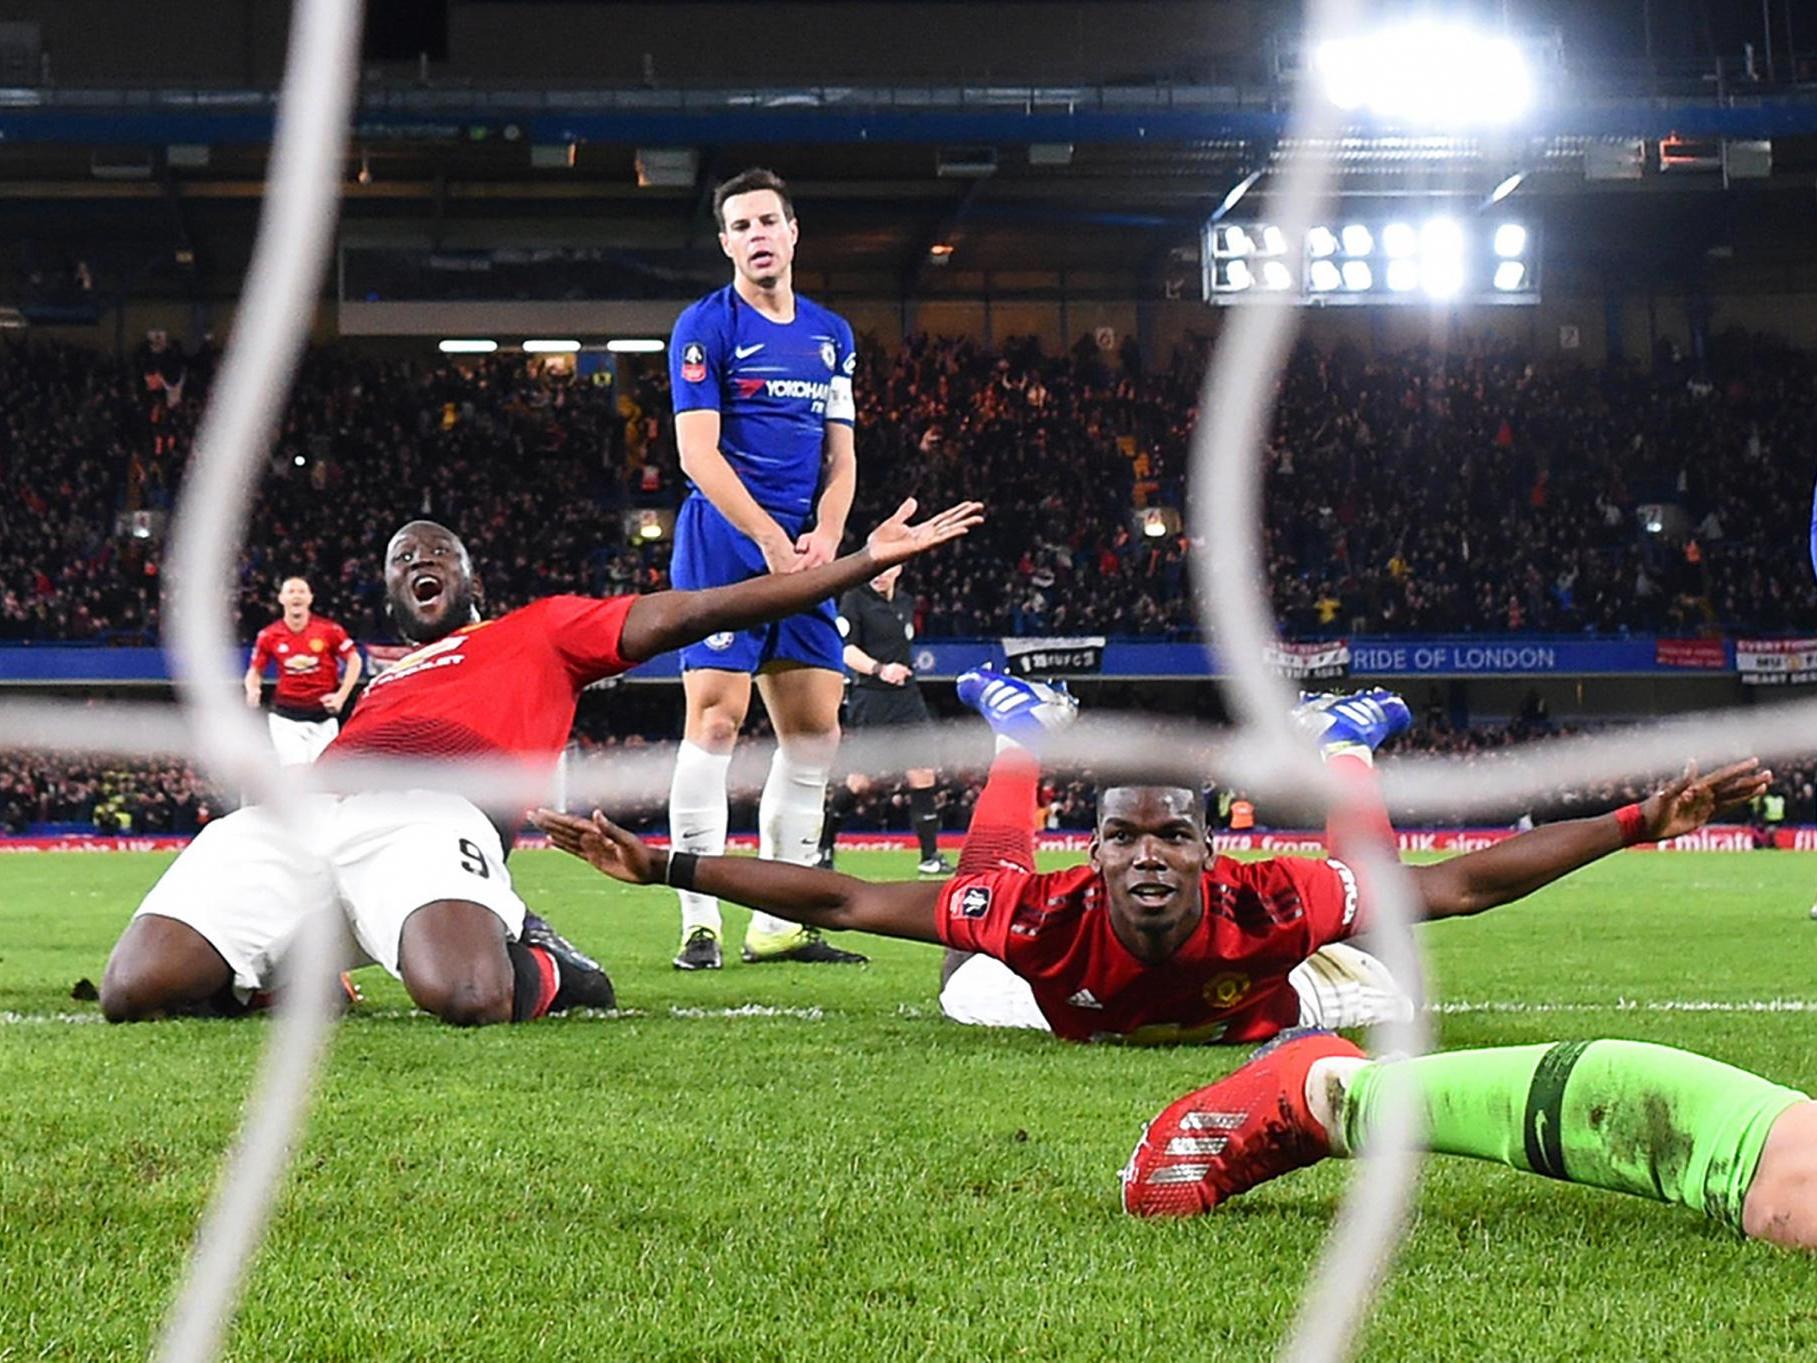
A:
x: 774, y: 386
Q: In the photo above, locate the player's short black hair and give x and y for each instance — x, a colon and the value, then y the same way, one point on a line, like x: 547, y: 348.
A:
x: 747, y: 181
x: 1195, y: 801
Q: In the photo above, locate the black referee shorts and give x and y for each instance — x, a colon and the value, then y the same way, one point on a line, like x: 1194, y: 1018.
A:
x: 879, y: 708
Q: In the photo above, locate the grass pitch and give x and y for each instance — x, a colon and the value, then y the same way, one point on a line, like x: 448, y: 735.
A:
x: 849, y: 1177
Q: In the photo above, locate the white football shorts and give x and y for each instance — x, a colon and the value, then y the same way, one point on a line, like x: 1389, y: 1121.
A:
x: 1339, y: 986
x: 300, y: 741
x: 248, y: 880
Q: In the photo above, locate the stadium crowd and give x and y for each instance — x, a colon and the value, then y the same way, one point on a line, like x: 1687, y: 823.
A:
x: 1470, y: 489
x: 166, y: 795
x: 124, y: 796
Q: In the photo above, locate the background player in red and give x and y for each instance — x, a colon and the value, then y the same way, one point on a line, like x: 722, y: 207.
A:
x: 1156, y: 939
x: 420, y: 874
x: 318, y: 667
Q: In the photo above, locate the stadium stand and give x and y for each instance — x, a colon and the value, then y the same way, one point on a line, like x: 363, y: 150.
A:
x: 1504, y: 495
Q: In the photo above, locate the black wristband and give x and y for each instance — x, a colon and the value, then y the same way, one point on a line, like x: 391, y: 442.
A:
x: 680, y: 870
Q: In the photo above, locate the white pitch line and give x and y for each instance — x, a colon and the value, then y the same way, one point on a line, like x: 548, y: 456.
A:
x: 1517, y: 1006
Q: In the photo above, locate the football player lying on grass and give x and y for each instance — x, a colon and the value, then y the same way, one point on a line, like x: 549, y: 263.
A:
x: 1157, y: 939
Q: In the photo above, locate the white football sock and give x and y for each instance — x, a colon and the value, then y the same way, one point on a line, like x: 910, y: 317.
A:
x: 1343, y: 986
x: 788, y: 821
x: 697, y: 823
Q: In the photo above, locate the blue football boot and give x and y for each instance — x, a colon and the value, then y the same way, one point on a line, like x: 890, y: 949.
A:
x: 1367, y: 718
x: 1015, y: 707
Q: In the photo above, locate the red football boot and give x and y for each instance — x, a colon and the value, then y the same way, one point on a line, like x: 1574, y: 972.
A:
x: 1221, y: 1140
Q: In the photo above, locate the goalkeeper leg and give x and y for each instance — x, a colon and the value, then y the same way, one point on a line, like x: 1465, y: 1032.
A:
x: 1627, y: 1116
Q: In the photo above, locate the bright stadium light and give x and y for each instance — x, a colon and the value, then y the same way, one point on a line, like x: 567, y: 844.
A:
x: 1510, y: 240
x: 1276, y: 276
x: 1403, y: 276
x: 1237, y: 242
x: 1510, y: 275
x: 1507, y: 187
x: 1320, y: 242
x: 1274, y: 241
x: 1323, y: 276
x: 1239, y: 274
x: 1427, y: 73
x: 551, y: 347
x: 458, y: 346
x: 635, y: 345
x: 1441, y: 237
x: 1357, y: 275
x: 1442, y: 276
x: 1357, y: 240
x: 1399, y: 240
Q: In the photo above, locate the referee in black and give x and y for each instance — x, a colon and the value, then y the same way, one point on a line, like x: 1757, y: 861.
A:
x: 878, y: 626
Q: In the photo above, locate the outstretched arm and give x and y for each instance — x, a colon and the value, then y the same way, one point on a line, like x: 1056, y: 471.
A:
x: 1513, y: 869
x: 823, y: 899
x: 665, y: 620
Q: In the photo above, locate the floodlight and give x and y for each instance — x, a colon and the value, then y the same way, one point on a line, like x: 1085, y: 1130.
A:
x: 1357, y: 275
x: 1441, y: 237
x: 457, y: 346
x: 635, y: 345
x: 1442, y: 276
x: 1357, y: 240
x: 551, y: 347
x: 1510, y: 240
x: 1275, y: 275
x: 1320, y: 243
x: 299, y: 461
x: 1274, y: 242
x: 1324, y: 276
x: 1154, y: 524
x: 1239, y: 275
x: 1428, y: 73
x: 1510, y: 275
x: 1237, y: 242
x: 1403, y: 276
x: 1398, y: 240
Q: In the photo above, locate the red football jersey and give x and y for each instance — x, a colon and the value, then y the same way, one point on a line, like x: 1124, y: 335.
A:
x: 1227, y: 982
x: 308, y: 661
x: 501, y: 686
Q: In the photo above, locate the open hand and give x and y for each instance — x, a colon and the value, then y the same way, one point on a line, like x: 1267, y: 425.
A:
x: 1689, y: 802
x: 896, y: 540
x: 602, y: 844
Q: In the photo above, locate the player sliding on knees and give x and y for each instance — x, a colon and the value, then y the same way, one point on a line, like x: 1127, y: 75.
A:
x: 1157, y: 939
x: 420, y: 875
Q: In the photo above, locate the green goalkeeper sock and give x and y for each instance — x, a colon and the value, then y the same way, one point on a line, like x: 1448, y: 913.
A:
x: 1623, y: 1115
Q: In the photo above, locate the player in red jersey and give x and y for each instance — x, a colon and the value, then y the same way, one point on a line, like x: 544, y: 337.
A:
x: 1157, y: 939
x: 318, y: 667
x: 420, y: 875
